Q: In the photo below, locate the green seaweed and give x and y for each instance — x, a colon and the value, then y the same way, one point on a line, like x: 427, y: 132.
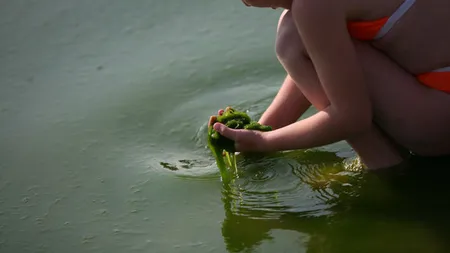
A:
x: 222, y: 148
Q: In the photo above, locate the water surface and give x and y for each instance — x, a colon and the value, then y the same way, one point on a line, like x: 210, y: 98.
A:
x: 103, y: 112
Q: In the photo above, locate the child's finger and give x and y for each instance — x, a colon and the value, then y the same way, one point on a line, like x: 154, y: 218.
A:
x: 225, y: 131
x: 212, y: 120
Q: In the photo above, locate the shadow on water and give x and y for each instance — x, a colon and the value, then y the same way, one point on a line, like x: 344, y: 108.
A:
x: 339, y: 209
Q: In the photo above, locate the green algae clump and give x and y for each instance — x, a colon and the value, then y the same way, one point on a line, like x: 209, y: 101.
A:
x: 221, y: 147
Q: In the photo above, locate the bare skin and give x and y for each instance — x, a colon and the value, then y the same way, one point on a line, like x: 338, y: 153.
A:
x: 365, y: 92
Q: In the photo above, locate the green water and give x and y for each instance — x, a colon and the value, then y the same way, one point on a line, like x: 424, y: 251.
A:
x: 103, y: 112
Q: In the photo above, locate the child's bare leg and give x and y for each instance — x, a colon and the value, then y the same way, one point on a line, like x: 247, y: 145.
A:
x: 288, y: 105
x: 414, y: 115
x: 374, y: 148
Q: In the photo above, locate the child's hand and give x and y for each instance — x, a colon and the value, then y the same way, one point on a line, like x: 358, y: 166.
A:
x: 244, y: 140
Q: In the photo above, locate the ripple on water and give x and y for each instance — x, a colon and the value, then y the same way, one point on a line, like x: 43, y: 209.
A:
x: 300, y: 181
x: 271, y: 186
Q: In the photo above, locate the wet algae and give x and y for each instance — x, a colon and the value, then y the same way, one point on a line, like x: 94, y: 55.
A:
x: 223, y: 148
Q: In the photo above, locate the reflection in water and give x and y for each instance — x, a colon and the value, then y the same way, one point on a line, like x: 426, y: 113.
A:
x: 287, y: 182
x: 340, y: 210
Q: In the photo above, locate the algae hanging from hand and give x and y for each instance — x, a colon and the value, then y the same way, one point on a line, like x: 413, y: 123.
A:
x: 221, y: 147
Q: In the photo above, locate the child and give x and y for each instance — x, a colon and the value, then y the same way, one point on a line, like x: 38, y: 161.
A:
x: 377, y: 71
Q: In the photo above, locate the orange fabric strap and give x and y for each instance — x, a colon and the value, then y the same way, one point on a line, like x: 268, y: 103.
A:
x: 436, y: 80
x: 366, y: 30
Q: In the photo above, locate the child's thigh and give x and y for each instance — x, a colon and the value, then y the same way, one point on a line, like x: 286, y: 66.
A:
x: 416, y: 116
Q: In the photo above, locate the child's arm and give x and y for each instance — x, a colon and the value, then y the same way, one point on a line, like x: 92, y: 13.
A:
x: 288, y: 105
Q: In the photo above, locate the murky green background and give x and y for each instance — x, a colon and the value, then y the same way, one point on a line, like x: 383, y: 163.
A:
x: 103, y: 112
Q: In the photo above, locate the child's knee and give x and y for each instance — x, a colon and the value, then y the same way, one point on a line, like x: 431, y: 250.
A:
x: 289, y: 45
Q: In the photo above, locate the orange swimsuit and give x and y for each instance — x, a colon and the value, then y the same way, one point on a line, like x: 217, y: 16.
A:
x: 371, y: 30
